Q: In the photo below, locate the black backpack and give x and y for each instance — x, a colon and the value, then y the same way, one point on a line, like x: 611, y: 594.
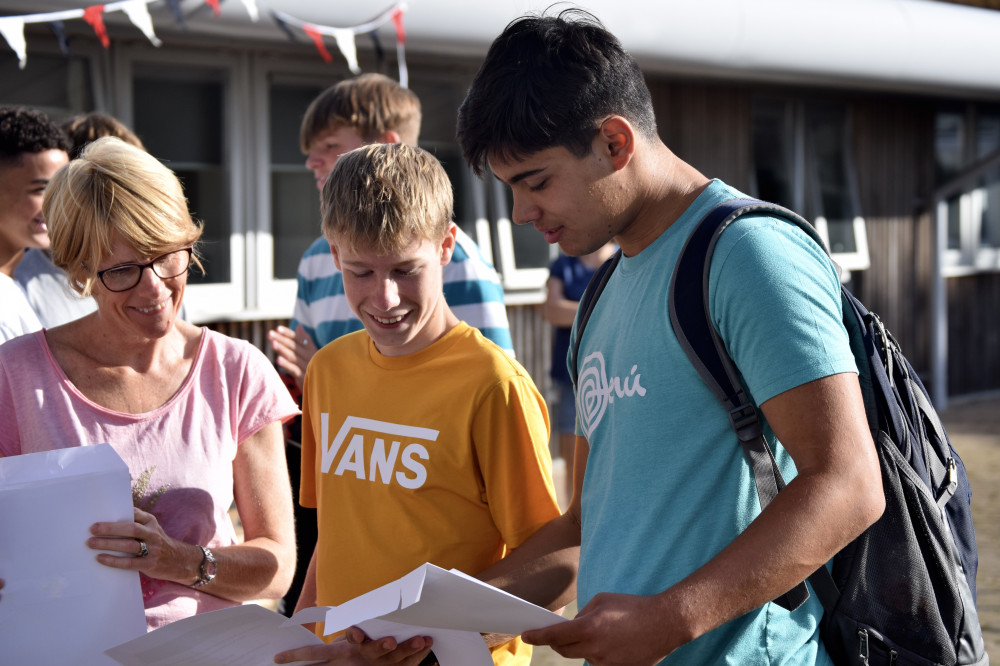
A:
x: 904, y: 592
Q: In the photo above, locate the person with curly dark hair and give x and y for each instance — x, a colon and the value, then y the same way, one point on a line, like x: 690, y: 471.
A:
x: 45, y: 284
x: 32, y: 149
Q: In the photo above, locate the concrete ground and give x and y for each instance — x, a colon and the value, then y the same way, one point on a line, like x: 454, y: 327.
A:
x: 974, y: 429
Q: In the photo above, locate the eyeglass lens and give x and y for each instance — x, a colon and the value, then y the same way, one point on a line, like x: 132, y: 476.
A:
x: 170, y: 265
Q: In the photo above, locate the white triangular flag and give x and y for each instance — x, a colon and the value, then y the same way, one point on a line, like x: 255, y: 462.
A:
x: 345, y: 42
x: 12, y: 29
x: 251, y: 7
x: 138, y: 12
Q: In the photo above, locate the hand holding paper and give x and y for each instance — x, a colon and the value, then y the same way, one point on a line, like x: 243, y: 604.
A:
x: 449, y: 606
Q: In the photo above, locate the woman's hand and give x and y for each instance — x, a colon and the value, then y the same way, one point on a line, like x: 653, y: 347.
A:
x: 142, y: 545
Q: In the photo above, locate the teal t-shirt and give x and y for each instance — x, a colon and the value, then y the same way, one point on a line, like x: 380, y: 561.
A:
x: 667, y: 486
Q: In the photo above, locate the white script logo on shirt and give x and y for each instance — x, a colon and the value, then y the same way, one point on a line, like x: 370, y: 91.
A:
x: 594, y: 392
x: 374, y: 461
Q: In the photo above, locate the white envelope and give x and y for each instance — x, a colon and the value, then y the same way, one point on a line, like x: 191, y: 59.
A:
x: 59, y: 605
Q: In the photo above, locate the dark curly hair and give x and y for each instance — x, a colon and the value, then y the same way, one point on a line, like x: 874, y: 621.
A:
x: 25, y: 130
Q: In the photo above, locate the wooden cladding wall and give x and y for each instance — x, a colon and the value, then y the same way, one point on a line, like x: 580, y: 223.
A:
x: 893, y: 152
x: 707, y: 126
x: 974, y: 333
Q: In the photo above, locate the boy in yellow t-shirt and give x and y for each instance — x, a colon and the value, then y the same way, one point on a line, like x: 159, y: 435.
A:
x: 422, y: 441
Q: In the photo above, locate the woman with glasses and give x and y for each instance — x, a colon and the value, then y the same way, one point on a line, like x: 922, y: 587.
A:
x: 196, y: 415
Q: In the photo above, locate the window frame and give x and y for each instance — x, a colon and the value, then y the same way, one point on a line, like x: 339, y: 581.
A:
x: 274, y: 297
x: 968, y: 189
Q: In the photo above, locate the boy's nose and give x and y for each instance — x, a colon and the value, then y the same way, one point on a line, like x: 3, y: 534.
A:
x: 522, y: 211
x: 388, y: 295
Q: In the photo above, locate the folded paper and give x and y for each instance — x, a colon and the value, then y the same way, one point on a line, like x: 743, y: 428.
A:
x: 248, y: 635
x: 449, y: 606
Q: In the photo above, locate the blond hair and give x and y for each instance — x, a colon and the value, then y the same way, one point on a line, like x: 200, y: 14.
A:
x: 370, y: 104
x: 384, y: 196
x: 114, y: 190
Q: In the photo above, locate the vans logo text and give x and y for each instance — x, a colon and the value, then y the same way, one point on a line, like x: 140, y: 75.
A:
x: 375, y: 449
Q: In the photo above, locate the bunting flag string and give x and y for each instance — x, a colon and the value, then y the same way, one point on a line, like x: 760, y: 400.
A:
x: 137, y: 11
x: 345, y: 36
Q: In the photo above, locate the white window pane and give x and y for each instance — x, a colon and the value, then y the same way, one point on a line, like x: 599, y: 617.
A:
x: 989, y: 230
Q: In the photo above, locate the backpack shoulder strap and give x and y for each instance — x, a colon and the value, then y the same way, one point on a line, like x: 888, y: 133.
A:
x: 590, y: 295
x: 692, y: 324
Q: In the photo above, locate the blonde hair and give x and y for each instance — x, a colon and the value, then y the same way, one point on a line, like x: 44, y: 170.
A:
x: 114, y: 189
x: 383, y: 196
x: 371, y: 104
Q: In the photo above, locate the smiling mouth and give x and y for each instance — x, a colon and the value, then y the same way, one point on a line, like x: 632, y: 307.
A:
x: 388, y: 321
x: 153, y: 309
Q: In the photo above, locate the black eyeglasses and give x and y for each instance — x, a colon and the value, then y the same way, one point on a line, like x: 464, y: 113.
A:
x: 125, y: 276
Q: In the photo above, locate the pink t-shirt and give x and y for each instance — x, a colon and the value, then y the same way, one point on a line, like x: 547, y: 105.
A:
x: 180, y: 455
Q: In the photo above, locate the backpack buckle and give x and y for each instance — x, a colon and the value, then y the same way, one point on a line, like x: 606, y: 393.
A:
x: 863, y: 646
x: 745, y: 422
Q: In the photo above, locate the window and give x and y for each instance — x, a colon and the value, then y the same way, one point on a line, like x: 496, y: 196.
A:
x: 59, y: 85
x: 183, y: 110
x: 967, y: 167
x: 803, y: 161
x: 295, y: 216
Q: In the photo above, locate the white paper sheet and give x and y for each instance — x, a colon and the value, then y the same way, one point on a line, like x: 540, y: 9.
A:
x: 248, y: 635
x: 428, y: 600
x: 59, y: 605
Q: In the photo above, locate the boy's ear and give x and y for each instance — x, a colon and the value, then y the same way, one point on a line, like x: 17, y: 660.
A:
x: 389, y: 136
x: 616, y: 140
x: 448, y: 243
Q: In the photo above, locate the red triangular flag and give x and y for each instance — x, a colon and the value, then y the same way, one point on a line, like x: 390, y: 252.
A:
x: 397, y: 20
x: 94, y: 15
x: 318, y: 41
x: 214, y: 4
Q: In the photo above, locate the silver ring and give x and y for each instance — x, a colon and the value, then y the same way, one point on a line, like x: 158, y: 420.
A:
x: 305, y: 341
x: 143, y: 551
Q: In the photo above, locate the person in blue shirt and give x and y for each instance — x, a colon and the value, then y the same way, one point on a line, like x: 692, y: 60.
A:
x: 678, y: 563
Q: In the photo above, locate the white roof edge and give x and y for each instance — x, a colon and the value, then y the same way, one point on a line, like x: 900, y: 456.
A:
x: 912, y: 45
